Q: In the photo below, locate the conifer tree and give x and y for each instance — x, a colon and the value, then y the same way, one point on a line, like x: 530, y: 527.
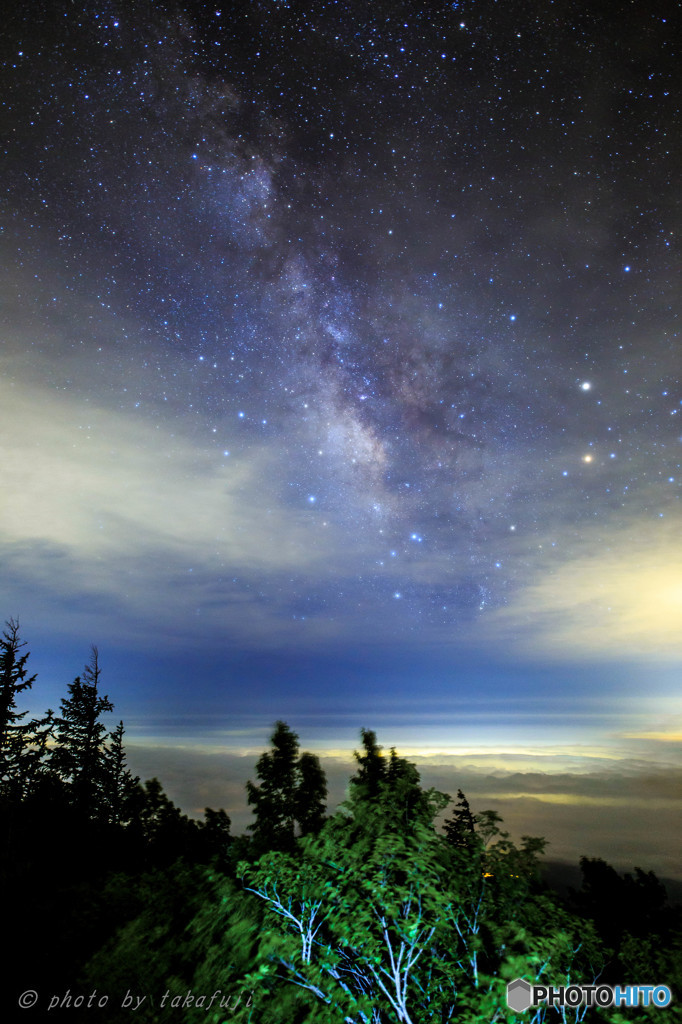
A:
x: 215, y: 833
x: 79, y: 755
x: 460, y: 828
x: 120, y: 787
x: 166, y: 832
x: 22, y: 744
x: 390, y: 781
x: 311, y: 793
x: 14, y: 679
x: 292, y: 790
x: 372, y: 770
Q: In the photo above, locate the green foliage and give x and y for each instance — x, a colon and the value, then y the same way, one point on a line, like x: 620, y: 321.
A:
x: 156, y: 951
x: 380, y: 918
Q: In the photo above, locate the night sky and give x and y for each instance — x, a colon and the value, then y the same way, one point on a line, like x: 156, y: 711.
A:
x: 340, y: 383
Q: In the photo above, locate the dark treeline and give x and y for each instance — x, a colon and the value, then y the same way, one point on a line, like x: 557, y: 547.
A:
x: 119, y: 907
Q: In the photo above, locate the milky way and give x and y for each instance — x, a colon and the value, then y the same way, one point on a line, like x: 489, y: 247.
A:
x: 395, y: 289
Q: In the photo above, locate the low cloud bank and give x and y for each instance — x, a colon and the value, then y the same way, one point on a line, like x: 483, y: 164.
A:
x: 625, y: 811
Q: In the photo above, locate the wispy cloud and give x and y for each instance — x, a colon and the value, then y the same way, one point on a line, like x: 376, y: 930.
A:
x: 102, y: 511
x: 101, y: 484
x: 619, y: 595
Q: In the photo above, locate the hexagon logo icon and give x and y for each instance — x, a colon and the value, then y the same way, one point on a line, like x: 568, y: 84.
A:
x: 518, y: 995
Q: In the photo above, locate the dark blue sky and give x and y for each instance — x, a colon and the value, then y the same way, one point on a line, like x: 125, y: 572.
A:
x: 339, y: 378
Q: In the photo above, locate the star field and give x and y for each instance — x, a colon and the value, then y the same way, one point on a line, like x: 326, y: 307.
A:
x: 341, y: 323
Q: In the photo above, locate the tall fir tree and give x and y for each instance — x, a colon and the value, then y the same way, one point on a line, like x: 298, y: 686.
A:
x: 23, y: 744
x: 14, y: 678
x: 119, y: 786
x: 372, y: 765
x: 79, y: 756
x: 292, y: 791
x: 311, y: 795
x: 460, y: 829
x: 388, y: 789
